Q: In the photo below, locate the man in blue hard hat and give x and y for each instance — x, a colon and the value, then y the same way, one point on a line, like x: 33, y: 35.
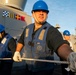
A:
x: 7, y: 48
x: 40, y: 40
x: 66, y: 36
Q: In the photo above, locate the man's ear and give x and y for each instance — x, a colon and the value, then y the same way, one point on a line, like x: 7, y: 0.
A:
x: 33, y: 14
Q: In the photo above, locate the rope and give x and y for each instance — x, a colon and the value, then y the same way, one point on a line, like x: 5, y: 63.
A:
x: 5, y: 58
x: 43, y: 60
x: 40, y: 60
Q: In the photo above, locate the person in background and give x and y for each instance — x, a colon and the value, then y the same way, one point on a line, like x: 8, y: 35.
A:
x: 40, y: 40
x: 7, y: 49
x: 66, y: 36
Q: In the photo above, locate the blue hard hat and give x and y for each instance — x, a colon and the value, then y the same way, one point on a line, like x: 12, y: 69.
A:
x: 2, y: 28
x: 40, y: 5
x: 66, y: 32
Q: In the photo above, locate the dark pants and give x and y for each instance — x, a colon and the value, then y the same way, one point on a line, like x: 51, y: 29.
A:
x: 65, y: 72
x: 5, y: 68
x: 48, y: 72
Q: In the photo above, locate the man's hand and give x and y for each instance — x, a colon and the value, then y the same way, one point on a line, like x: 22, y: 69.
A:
x: 72, y: 61
x: 17, y: 57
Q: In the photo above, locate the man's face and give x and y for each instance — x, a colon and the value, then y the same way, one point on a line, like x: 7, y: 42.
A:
x: 40, y: 16
x: 66, y: 37
x: 0, y: 36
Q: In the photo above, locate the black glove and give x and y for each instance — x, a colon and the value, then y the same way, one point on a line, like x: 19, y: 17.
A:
x: 72, y: 61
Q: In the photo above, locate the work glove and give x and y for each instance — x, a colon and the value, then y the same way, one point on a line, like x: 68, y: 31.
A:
x: 17, y: 57
x: 72, y: 61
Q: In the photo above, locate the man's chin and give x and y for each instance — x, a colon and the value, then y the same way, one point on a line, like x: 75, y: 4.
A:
x: 41, y: 22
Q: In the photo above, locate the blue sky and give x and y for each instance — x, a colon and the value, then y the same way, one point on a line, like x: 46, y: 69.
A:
x: 62, y: 12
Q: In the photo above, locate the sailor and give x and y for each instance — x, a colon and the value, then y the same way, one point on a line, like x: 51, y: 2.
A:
x: 66, y: 36
x: 41, y: 40
x: 7, y: 49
